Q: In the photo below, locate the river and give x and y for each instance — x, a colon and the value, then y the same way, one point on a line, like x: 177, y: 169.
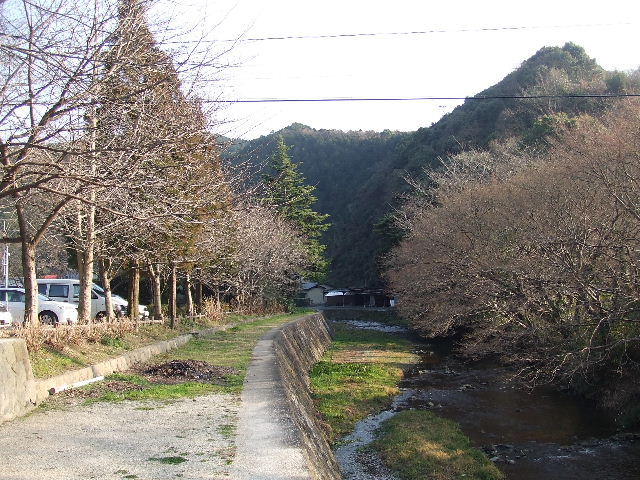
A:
x: 537, y: 434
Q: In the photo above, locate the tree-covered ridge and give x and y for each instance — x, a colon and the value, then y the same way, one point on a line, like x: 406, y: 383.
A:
x: 339, y: 165
x: 360, y: 177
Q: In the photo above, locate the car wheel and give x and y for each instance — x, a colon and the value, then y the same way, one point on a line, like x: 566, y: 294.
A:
x: 48, y: 318
x: 101, y: 316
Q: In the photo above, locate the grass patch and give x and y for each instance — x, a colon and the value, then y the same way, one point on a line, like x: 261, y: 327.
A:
x: 227, y: 431
x: 420, y: 445
x: 168, y: 460
x: 231, y: 348
x: 358, y: 376
x: 47, y: 362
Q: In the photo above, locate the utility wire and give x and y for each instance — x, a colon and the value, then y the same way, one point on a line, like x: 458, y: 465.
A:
x: 381, y: 99
x: 407, y: 33
x: 413, y: 99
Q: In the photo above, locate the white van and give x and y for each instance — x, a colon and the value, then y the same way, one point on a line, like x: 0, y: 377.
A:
x: 49, y: 311
x: 68, y: 290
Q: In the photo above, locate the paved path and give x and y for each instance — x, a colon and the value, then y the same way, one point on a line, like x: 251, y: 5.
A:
x: 267, y: 447
x: 129, y: 440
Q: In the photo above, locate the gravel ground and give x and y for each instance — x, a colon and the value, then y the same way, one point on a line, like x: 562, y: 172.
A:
x: 357, y: 463
x: 191, y: 439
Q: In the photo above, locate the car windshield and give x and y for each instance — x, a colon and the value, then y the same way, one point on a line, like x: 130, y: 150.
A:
x: 98, y: 290
x: 18, y: 296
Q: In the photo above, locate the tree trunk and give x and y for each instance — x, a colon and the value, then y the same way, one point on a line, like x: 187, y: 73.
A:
x: 28, y: 270
x: 187, y: 287
x: 199, y: 292
x: 154, y: 273
x: 89, y: 238
x: 134, y: 290
x: 104, y: 265
x: 30, y: 284
x: 173, y: 304
x: 86, y: 261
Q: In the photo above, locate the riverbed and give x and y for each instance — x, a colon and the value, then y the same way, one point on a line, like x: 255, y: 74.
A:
x: 537, y: 434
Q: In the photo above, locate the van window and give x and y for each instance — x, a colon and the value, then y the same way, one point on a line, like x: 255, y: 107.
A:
x: 15, y: 296
x: 76, y: 291
x: 42, y: 288
x: 59, y: 290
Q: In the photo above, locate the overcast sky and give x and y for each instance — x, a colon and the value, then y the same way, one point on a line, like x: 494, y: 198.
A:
x: 477, y: 44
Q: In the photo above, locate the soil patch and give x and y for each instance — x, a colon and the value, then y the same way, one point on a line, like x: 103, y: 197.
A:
x: 178, y: 371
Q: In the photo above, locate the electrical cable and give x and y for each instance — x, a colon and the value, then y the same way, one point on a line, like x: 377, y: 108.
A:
x: 412, y: 99
x: 407, y: 33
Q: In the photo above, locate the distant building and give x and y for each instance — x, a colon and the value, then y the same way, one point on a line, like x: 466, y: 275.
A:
x: 358, y: 297
x: 314, y: 293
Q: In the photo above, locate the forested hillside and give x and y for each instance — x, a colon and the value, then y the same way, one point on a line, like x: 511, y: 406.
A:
x: 345, y: 168
x: 361, y: 176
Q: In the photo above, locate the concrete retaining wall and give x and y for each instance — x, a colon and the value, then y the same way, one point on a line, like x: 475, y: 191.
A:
x: 359, y: 313
x: 298, y: 347
x: 17, y: 386
x: 279, y: 434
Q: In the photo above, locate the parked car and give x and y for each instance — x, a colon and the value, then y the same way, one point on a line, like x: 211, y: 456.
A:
x: 49, y: 311
x: 143, y: 312
x: 68, y: 290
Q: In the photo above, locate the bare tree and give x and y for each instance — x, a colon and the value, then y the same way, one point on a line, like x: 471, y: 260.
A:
x: 537, y: 263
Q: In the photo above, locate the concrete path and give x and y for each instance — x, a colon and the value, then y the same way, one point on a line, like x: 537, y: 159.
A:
x: 267, y: 447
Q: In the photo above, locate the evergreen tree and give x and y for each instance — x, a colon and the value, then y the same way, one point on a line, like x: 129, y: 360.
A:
x: 287, y: 192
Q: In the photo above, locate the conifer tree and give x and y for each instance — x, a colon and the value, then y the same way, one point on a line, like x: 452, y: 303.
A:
x: 287, y: 192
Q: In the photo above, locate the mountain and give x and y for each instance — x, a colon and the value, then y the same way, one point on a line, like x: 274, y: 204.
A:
x: 360, y: 176
x: 340, y: 165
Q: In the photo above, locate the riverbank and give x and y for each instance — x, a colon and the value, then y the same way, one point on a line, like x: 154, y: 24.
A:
x: 358, y: 378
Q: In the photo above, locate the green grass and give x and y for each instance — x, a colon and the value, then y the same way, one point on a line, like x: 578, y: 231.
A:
x: 231, y: 348
x: 168, y: 460
x: 47, y: 362
x: 227, y: 430
x: 159, y: 392
x: 358, y: 376
x: 419, y: 445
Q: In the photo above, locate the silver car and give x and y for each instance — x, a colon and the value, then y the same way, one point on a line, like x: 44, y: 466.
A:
x: 49, y: 311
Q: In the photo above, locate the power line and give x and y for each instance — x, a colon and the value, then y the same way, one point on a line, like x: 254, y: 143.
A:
x: 414, y: 99
x: 407, y: 33
x: 377, y: 99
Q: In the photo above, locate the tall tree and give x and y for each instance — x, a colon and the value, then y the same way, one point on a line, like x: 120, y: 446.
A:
x: 172, y: 179
x: 293, y: 199
x: 49, y: 51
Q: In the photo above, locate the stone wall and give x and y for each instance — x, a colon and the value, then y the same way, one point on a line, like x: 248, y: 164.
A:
x: 382, y: 315
x: 17, y: 386
x: 298, y: 346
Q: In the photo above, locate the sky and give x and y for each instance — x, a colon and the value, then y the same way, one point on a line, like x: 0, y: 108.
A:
x: 472, y: 45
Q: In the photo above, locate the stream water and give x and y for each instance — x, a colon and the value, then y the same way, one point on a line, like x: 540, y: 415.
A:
x: 535, y: 434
